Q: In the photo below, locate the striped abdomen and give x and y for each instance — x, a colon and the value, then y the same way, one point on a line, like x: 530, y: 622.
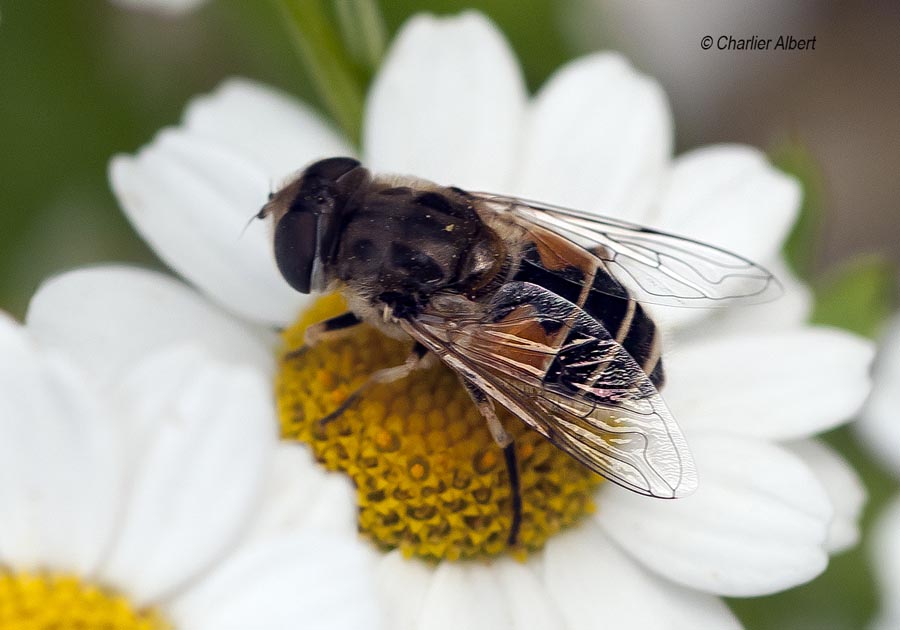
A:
x: 583, y: 283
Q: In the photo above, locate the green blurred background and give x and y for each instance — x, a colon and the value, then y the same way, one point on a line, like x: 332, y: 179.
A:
x: 81, y: 81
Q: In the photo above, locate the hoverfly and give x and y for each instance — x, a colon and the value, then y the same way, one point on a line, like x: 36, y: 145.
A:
x: 534, y: 306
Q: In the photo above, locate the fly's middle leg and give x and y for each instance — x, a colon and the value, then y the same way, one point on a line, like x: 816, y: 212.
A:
x: 417, y: 359
x: 505, y: 441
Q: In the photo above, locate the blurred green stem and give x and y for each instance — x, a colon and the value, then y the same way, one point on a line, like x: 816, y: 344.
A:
x: 329, y: 65
x: 363, y: 30
x: 802, y: 244
x: 858, y: 295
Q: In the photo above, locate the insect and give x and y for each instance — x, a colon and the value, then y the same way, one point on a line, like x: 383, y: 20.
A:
x: 534, y: 306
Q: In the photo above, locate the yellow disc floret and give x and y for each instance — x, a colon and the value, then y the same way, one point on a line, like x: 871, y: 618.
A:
x: 39, y: 601
x: 429, y: 478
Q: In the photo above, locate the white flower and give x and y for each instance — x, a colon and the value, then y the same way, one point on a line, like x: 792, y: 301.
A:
x: 879, y: 427
x: 161, y: 482
x: 750, y: 387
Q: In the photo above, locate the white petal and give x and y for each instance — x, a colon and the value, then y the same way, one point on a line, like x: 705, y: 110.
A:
x: 403, y: 584
x: 192, y: 200
x: 782, y: 385
x: 599, y: 138
x: 267, y: 127
x: 447, y: 104
x: 731, y: 197
x: 409, y: 587
x: 464, y: 595
x: 205, y: 435
x: 300, y: 495
x: 61, y: 468
x: 886, y: 621
x: 295, y: 582
x: 879, y: 425
x: 885, y: 554
x: 597, y: 586
x: 529, y: 603
x: 108, y: 318
x: 756, y: 525
x: 845, y: 490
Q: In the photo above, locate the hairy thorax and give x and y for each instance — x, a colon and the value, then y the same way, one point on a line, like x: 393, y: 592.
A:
x: 401, y: 246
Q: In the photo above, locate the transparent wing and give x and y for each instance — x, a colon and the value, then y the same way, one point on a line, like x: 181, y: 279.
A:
x: 651, y: 266
x: 561, y: 372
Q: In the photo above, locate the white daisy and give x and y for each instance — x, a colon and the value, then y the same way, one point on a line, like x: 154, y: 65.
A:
x: 750, y: 388
x: 159, y: 498
x: 879, y: 427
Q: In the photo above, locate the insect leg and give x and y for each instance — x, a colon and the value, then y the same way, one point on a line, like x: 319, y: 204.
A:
x: 505, y: 441
x: 331, y: 328
x: 416, y: 359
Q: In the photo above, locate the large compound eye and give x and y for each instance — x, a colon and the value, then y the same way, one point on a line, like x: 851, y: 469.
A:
x: 330, y: 169
x: 295, y: 248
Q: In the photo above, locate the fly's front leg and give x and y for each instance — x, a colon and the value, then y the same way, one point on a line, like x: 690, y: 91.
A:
x: 418, y: 358
x: 505, y: 441
x: 332, y: 328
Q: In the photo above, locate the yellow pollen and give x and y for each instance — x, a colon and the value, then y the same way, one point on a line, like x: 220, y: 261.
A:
x: 429, y: 478
x: 41, y: 601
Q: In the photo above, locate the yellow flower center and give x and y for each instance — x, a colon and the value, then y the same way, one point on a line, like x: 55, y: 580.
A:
x: 429, y: 478
x: 39, y: 601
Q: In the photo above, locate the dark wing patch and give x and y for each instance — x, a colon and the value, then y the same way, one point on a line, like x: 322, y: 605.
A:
x: 650, y: 266
x: 563, y: 374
